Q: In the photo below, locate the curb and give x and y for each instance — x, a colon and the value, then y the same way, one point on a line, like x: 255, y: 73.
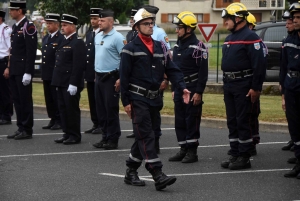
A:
x: 206, y: 122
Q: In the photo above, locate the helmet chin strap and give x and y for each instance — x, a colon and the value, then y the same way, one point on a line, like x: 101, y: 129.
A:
x: 235, y: 23
x: 185, y: 33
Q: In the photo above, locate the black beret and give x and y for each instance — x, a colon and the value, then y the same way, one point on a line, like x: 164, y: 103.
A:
x: 150, y: 9
x: 106, y: 13
x: 52, y: 17
x: 95, y: 11
x: 17, y: 4
x: 69, y: 19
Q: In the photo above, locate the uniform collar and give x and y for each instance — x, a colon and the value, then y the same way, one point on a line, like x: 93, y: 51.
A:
x: 110, y: 33
x: 53, y: 34
x: 67, y: 37
x: 17, y: 23
x: 96, y: 31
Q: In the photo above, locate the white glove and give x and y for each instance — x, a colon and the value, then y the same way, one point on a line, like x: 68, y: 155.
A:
x: 72, y: 89
x: 26, y: 79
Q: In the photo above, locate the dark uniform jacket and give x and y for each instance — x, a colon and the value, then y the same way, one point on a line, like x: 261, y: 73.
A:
x: 244, y: 50
x: 23, y: 48
x: 139, y: 67
x: 191, y: 56
x: 49, y: 47
x: 70, y: 63
x: 90, y: 53
x: 290, y: 62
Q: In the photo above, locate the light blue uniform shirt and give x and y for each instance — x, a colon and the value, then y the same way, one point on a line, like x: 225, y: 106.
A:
x: 107, y: 51
x: 160, y: 35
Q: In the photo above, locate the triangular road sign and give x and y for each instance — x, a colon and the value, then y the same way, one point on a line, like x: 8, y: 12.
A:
x: 207, y: 30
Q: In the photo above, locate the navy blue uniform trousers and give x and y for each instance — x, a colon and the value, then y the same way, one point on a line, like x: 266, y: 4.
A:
x: 144, y: 119
x: 240, y: 111
x: 70, y: 112
x: 292, y: 104
x: 107, y: 104
x: 90, y: 87
x: 6, y: 105
x: 51, y: 101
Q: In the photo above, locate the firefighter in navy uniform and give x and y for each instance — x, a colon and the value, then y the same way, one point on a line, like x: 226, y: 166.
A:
x: 90, y: 70
x: 68, y: 78
x: 6, y: 105
x: 21, y: 69
x: 243, y: 65
x: 290, y: 83
x: 50, y: 43
x: 143, y: 64
x: 191, y: 56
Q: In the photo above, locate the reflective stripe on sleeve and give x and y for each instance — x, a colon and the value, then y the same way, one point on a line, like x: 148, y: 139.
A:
x: 245, y: 141
x: 234, y: 140
x: 197, y: 47
x: 135, y: 159
x: 193, y: 140
x: 242, y: 42
x: 134, y: 53
x: 291, y: 45
x: 158, y: 55
x: 182, y: 142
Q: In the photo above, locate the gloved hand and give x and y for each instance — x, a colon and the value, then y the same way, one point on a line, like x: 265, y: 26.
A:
x: 26, y: 79
x: 72, y: 89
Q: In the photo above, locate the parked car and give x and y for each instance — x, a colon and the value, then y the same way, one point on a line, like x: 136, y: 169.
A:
x: 123, y: 29
x: 272, y: 34
x: 38, y: 62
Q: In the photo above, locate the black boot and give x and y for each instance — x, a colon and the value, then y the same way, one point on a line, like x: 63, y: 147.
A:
x: 179, y: 156
x: 295, y: 171
x: 157, y: 149
x: 288, y: 145
x: 231, y: 159
x: 292, y: 160
x: 240, y: 163
x: 162, y: 180
x: 191, y: 156
x: 132, y: 178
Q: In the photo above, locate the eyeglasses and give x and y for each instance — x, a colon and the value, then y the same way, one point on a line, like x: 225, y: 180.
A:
x: 147, y: 23
x: 178, y: 28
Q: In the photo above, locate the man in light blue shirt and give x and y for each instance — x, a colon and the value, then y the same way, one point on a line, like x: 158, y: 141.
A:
x: 108, y: 46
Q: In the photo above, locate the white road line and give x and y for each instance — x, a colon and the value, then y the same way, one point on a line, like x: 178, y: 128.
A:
x: 118, y: 150
x: 122, y: 176
x: 201, y: 174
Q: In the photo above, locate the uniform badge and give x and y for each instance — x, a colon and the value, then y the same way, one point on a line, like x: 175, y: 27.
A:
x: 124, y: 42
x: 204, y: 55
x: 166, y: 39
x: 102, y: 42
x: 256, y: 46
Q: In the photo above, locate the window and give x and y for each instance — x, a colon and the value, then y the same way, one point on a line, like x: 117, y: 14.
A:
x: 275, y: 34
x: 198, y: 16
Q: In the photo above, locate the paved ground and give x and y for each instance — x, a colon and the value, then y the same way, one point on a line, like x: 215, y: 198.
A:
x: 38, y: 169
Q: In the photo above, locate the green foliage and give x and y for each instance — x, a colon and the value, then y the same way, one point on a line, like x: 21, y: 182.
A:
x: 222, y: 31
x: 123, y: 18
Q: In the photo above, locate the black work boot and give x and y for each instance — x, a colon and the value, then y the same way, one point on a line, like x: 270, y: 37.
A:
x: 295, y: 171
x: 162, y: 180
x: 100, y: 144
x: 292, y: 160
x: 231, y: 159
x: 157, y: 148
x: 179, y: 156
x: 240, y: 163
x: 132, y: 178
x: 288, y: 145
x: 191, y: 156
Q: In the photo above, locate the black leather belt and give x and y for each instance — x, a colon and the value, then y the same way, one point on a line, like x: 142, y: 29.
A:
x: 100, y: 74
x: 237, y: 75
x: 293, y: 73
x: 143, y: 92
x: 191, y: 78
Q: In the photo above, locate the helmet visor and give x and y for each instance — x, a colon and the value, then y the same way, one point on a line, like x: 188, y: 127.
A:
x: 176, y: 20
x: 224, y: 13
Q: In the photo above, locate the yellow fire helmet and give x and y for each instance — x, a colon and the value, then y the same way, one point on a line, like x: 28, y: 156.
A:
x: 235, y: 9
x: 295, y: 7
x: 185, y: 18
x: 140, y: 15
x: 251, y: 19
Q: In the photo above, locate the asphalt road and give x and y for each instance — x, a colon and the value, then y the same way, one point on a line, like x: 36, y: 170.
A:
x: 38, y: 169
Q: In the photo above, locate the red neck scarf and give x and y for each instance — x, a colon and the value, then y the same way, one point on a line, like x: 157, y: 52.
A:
x: 147, y: 41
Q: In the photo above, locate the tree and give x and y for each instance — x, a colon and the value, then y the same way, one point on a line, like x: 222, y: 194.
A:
x: 81, y: 8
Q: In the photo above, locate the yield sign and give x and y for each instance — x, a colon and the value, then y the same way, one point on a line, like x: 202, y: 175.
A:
x: 207, y: 30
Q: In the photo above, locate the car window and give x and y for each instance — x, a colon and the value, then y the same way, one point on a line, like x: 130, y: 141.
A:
x: 258, y: 32
x: 275, y: 34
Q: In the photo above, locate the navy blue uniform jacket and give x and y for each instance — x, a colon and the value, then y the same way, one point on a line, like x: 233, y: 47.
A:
x: 49, y: 47
x: 23, y: 48
x: 192, y: 58
x: 290, y: 62
x: 90, y: 56
x: 70, y: 63
x: 243, y: 50
x: 138, y: 66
